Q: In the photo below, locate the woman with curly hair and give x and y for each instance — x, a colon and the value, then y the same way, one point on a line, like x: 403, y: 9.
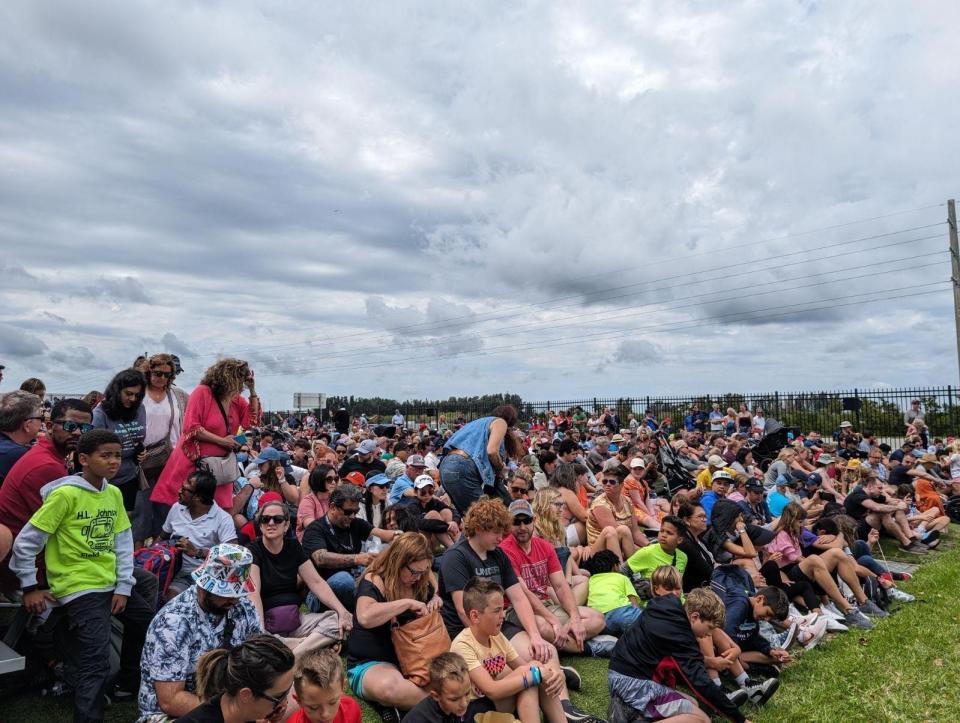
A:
x: 215, y: 410
x: 122, y: 413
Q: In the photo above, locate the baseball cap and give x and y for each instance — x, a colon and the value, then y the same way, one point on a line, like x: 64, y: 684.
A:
x: 423, y: 480
x: 721, y: 475
x: 918, y: 453
x: 381, y: 480
x: 367, y: 446
x: 755, y: 485
x: 177, y: 369
x: 814, y: 479
x: 637, y: 463
x: 520, y: 507
x: 416, y: 460
x: 825, y: 459
x: 715, y: 460
x: 270, y: 454
x: 355, y: 478
x: 783, y: 481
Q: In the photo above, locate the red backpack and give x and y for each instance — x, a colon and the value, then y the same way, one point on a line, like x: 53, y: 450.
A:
x: 162, y: 560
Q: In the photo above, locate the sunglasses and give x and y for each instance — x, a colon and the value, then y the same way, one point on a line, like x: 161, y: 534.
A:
x: 277, y: 702
x: 519, y: 490
x: 70, y: 427
x: 611, y: 482
x: 331, y: 477
x: 165, y: 375
x: 416, y: 573
x: 518, y: 521
x: 349, y: 513
x: 273, y: 519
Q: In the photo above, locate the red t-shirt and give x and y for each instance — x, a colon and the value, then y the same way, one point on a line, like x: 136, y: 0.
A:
x: 349, y: 713
x: 20, y: 493
x: 534, y: 569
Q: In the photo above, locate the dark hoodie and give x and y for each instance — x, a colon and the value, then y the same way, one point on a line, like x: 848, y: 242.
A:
x: 661, y: 647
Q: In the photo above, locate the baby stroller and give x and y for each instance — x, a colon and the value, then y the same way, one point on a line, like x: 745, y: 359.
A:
x: 678, y: 478
x: 767, y: 448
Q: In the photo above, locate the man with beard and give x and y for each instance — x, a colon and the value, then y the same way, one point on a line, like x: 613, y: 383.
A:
x: 215, y: 613
x: 43, y: 463
x: 364, y: 461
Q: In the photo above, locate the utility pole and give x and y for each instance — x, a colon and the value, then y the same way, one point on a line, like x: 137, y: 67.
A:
x: 955, y: 268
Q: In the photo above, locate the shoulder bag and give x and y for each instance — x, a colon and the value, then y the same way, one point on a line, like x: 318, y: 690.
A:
x: 159, y: 452
x: 224, y: 468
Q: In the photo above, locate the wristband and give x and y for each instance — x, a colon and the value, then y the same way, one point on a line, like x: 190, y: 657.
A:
x: 29, y: 589
x: 526, y: 683
x: 535, y: 674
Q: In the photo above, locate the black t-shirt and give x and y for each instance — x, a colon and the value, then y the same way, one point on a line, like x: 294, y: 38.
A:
x: 205, y: 713
x: 853, y: 504
x: 278, y: 573
x: 428, y: 711
x: 699, y: 564
x: 458, y: 565
x: 375, y: 643
x: 322, y: 535
x: 899, y: 476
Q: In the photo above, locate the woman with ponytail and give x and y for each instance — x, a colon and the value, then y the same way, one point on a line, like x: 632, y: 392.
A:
x: 250, y: 681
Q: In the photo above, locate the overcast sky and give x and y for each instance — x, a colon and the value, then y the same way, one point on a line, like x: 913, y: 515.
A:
x: 426, y: 199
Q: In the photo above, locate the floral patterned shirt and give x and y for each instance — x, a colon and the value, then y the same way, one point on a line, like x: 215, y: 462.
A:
x: 179, y: 634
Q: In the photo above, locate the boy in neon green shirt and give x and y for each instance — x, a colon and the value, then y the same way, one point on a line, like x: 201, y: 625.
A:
x: 84, y: 534
x: 663, y: 552
x: 611, y: 592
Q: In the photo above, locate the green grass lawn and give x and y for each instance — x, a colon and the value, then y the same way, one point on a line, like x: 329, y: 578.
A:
x: 907, y: 669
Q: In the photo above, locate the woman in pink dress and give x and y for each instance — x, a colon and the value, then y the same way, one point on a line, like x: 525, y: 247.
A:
x: 204, y: 433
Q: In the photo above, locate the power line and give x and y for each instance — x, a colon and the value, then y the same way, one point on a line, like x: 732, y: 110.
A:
x: 613, y: 335
x: 615, y: 313
x: 439, y: 323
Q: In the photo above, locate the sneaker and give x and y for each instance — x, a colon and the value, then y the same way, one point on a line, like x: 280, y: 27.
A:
x: 121, y: 696
x: 601, y: 646
x: 902, y: 576
x: 900, y: 595
x: 764, y: 670
x: 388, y: 714
x: 869, y: 607
x: 856, y: 619
x: 572, y: 677
x: 885, y: 577
x: 738, y: 697
x: 760, y: 692
x: 575, y: 715
x: 785, y: 639
x: 931, y: 539
x: 834, y: 625
x: 808, y: 619
x: 914, y: 548
x: 830, y: 609
x: 812, y: 634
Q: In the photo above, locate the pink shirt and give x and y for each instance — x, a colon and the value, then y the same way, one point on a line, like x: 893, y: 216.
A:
x: 787, y: 546
x: 311, y: 506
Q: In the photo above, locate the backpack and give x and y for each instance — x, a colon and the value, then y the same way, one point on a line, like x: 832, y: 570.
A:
x: 953, y: 509
x: 162, y: 560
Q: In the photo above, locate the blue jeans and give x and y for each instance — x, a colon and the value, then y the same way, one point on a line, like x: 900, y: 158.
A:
x: 461, y: 480
x: 344, y: 586
x: 861, y: 551
x: 619, y: 619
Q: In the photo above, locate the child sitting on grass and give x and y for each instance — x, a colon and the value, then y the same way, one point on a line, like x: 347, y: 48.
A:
x: 661, y: 651
x: 611, y: 592
x: 495, y: 667
x: 450, y: 692
x: 663, y: 552
x: 318, y: 688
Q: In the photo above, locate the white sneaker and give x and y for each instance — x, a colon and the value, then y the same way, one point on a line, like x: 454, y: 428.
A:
x: 810, y: 635
x: 834, y: 626
x: 900, y: 595
x: 831, y: 609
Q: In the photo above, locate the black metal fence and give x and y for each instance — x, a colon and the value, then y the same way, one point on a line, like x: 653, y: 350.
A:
x: 879, y: 410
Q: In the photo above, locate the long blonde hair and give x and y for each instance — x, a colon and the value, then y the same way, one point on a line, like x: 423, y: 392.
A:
x: 546, y: 521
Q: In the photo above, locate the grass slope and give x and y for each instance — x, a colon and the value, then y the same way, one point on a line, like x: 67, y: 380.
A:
x: 907, y: 669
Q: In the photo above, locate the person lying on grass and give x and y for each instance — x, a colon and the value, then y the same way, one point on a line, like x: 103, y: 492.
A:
x: 660, y: 651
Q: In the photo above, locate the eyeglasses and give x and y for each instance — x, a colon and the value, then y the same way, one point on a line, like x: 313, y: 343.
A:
x: 70, y: 426
x: 518, y: 521
x: 277, y: 702
x: 165, y: 375
x: 349, y: 513
x: 416, y: 573
x: 273, y: 519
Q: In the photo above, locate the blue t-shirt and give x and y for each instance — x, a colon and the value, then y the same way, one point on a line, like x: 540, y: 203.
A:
x: 10, y: 452
x: 400, y: 485
x: 776, y: 502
